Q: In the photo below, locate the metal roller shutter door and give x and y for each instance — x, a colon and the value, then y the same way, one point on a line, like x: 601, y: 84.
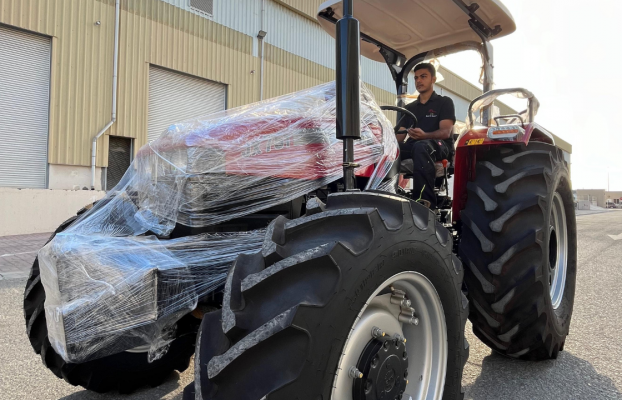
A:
x: 24, y: 108
x: 174, y: 97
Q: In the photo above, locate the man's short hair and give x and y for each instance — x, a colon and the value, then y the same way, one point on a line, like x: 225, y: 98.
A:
x: 427, y: 66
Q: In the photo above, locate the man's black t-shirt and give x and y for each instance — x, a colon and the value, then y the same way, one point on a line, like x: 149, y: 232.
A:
x: 430, y: 114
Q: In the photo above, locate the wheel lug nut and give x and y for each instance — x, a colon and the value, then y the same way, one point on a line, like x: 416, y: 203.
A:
x: 377, y: 332
x: 408, y: 319
x: 355, y: 373
x: 400, y: 338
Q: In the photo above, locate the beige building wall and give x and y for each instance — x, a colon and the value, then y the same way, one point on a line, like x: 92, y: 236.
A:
x: 591, y: 195
x: 286, y: 73
x: 25, y: 211
x: 73, y: 177
x: 151, y: 32
x: 601, y: 196
x: 613, y: 197
x: 158, y: 33
x: 306, y: 8
x: 82, y: 64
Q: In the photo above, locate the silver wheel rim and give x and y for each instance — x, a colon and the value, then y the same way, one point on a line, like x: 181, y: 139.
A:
x: 426, y: 342
x: 558, y: 251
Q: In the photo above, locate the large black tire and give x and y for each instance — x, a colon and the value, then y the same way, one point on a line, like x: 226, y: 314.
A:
x: 284, y: 324
x: 505, y: 247
x: 124, y: 371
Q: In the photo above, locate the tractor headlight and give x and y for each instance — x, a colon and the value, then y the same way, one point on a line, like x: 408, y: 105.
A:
x: 506, y: 132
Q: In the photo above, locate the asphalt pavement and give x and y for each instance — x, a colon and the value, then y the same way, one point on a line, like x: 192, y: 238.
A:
x: 589, y: 368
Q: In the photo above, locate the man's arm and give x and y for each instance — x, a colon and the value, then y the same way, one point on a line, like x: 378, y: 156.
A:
x: 446, y: 126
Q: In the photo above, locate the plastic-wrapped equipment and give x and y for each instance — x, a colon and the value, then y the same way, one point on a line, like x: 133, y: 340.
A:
x: 109, y: 294
x: 234, y: 163
x: 115, y: 281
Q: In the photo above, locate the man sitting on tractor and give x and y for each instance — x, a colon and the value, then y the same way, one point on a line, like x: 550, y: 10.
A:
x: 431, y: 140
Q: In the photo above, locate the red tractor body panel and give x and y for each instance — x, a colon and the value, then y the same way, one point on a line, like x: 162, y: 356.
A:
x: 287, y: 147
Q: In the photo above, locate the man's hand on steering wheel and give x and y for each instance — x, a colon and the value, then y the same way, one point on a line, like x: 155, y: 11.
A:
x: 399, y: 130
x: 416, y: 134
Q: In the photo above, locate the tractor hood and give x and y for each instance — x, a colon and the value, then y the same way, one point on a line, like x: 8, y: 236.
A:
x: 412, y: 27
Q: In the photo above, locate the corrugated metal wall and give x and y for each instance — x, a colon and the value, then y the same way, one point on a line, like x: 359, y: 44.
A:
x: 303, y: 37
x: 286, y: 72
x: 24, y: 108
x: 170, y: 34
x: 152, y: 31
x: 240, y: 15
x: 307, y: 8
x: 77, y: 80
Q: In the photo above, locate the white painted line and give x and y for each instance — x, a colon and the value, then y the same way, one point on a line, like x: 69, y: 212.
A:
x: 618, y: 237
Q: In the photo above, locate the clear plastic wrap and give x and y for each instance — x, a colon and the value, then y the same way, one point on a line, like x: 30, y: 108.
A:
x: 109, y: 294
x: 208, y: 170
x: 115, y: 281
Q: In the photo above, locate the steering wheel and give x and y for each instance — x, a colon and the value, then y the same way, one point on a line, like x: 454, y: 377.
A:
x: 404, y: 113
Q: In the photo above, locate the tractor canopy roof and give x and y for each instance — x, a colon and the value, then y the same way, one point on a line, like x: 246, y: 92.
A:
x: 412, y: 27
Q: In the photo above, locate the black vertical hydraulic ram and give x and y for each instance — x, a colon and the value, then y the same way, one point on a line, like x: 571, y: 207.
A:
x: 348, y: 89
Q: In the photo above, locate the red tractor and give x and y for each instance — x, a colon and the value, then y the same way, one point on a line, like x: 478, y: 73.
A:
x: 296, y: 267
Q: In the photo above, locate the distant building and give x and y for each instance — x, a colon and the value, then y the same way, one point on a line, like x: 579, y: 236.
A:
x: 613, y: 197
x: 599, y: 197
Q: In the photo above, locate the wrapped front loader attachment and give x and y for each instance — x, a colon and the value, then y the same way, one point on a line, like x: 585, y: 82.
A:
x: 109, y: 294
x: 116, y: 281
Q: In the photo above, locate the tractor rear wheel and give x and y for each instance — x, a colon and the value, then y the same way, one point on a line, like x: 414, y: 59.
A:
x: 359, y: 299
x: 519, y: 246
x: 124, y: 371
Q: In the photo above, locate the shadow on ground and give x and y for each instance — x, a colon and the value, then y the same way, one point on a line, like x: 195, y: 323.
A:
x: 568, y: 377
x: 171, y: 389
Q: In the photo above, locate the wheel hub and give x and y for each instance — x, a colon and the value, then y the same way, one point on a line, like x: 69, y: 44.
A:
x: 400, y: 333
x: 384, y: 364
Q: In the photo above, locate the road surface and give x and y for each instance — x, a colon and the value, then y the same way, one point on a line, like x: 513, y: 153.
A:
x: 589, y: 368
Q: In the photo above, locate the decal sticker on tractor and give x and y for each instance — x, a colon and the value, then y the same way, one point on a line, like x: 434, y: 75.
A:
x: 474, y: 142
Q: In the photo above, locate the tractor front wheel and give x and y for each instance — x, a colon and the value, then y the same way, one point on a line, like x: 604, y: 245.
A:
x: 359, y: 299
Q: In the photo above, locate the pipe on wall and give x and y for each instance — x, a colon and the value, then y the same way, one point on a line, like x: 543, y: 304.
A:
x: 263, y: 39
x: 115, y: 70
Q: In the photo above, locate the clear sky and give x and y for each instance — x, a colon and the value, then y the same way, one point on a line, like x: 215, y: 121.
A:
x: 569, y: 54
